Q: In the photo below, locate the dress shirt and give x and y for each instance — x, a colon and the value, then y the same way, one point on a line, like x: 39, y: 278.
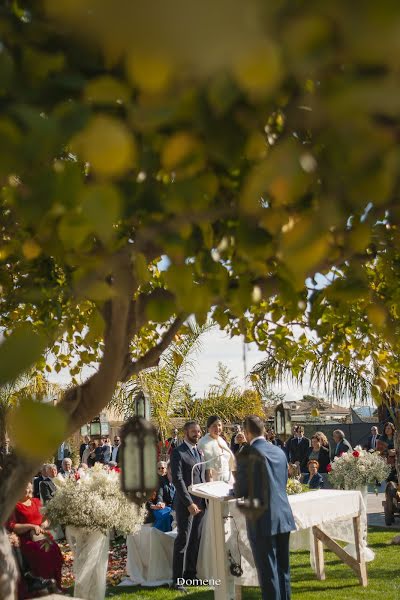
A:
x: 114, y: 454
x: 373, y: 442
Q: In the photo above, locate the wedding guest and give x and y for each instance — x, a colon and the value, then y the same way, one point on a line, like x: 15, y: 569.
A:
x: 94, y: 454
x: 313, y: 478
x: 385, y: 447
x: 189, y: 509
x: 63, y: 451
x: 268, y: 534
x: 66, y: 469
x: 372, y: 439
x: 324, y: 441
x: 166, y: 491
x: 342, y: 445
x: 270, y: 436
x: 294, y: 471
x: 173, y: 441
x: 115, y: 449
x: 87, y: 454
x: 106, y: 451
x: 84, y: 446
x: 317, y: 452
x: 298, y: 446
x: 36, y: 481
x: 221, y: 461
x: 38, y: 548
x: 240, y: 442
x: 47, y: 486
x: 234, y: 444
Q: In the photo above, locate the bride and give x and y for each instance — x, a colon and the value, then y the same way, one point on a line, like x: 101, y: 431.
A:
x: 221, y: 461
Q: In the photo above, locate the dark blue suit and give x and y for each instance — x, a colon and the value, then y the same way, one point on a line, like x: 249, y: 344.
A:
x: 186, y: 547
x: 269, y: 534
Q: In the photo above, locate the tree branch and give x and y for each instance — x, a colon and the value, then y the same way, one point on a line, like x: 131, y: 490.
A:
x: 152, y: 357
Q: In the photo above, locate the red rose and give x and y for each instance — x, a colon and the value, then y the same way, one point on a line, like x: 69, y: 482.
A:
x: 328, y: 468
x: 356, y: 453
x: 341, y: 454
x: 166, y: 443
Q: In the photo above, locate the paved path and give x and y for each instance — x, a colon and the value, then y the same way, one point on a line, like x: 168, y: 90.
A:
x: 375, y: 512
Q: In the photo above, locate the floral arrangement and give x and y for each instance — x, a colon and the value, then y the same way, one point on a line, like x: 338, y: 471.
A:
x: 294, y: 486
x: 94, y: 502
x: 353, y: 470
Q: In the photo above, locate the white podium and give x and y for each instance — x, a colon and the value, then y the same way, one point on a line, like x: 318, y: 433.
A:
x: 217, y: 494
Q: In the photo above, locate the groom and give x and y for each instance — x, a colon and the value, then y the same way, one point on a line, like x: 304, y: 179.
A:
x: 269, y: 534
x: 189, y: 509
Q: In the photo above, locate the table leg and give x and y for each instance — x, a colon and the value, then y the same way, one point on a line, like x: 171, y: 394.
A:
x: 359, y: 551
x: 238, y: 592
x: 319, y: 557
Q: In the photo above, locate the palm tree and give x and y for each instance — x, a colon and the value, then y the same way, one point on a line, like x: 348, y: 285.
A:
x: 165, y: 384
x: 336, y: 380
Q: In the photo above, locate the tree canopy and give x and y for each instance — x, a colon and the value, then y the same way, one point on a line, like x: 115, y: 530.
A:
x: 254, y: 148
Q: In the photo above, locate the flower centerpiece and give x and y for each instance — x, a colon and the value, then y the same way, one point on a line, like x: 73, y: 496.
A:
x: 88, y: 508
x: 354, y: 470
x: 94, y: 502
x: 294, y: 486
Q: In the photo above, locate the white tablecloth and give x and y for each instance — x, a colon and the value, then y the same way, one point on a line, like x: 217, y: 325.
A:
x: 331, y: 510
x: 150, y: 551
x: 149, y: 561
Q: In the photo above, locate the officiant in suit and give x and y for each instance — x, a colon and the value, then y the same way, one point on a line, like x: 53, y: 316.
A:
x: 268, y: 534
x: 298, y: 446
x: 189, y: 510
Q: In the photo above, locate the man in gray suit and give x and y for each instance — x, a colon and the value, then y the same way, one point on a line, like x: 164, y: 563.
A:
x: 269, y: 533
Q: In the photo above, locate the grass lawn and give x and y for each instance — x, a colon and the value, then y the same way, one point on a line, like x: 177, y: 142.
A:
x: 383, y: 578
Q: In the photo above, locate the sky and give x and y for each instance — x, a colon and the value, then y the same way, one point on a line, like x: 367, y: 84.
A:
x: 217, y: 347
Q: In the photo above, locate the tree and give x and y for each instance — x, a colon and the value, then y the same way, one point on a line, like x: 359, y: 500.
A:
x: 224, y: 398
x: 164, y: 385
x: 253, y: 163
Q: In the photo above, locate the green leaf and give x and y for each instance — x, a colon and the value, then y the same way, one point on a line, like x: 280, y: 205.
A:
x: 37, y: 428
x: 101, y: 205
x: 19, y: 352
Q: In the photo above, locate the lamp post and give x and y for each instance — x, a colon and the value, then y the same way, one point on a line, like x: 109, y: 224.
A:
x: 138, y: 459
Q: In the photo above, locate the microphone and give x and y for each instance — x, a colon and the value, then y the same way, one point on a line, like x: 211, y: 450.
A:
x: 204, y: 462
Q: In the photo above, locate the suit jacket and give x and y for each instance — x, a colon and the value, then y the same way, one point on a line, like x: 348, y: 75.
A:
x: 297, y: 451
x: 36, y: 486
x: 369, y: 442
x: 315, y: 483
x: 323, y: 459
x: 271, y: 471
x: 182, y: 463
x: 166, y: 491
x: 343, y: 447
x: 117, y: 458
x: 47, y: 489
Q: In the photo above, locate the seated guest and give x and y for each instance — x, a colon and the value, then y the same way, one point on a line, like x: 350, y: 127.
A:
x: 240, y: 442
x: 318, y: 453
x: 47, y: 486
x: 150, y: 507
x: 38, y: 549
x: 36, y: 481
x: 293, y: 471
x: 313, y: 479
x: 166, y: 492
x: 66, y: 469
x: 271, y: 437
x: 342, y: 445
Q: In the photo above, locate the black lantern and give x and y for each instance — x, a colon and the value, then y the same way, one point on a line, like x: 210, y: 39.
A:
x: 139, y: 476
x: 283, y: 422
x: 255, y: 501
x: 98, y: 427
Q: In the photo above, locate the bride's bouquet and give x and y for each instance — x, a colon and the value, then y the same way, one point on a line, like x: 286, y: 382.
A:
x: 356, y: 469
x: 94, y: 502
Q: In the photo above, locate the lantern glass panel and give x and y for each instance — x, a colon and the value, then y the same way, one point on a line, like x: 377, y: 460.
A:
x: 132, y: 472
x: 85, y: 430
x: 105, y: 428
x: 140, y: 408
x: 95, y: 429
x: 150, y: 462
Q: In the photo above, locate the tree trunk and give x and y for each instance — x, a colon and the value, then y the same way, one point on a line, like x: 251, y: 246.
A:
x: 8, y: 569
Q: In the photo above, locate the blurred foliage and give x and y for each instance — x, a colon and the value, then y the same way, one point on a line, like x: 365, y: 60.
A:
x: 254, y: 147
